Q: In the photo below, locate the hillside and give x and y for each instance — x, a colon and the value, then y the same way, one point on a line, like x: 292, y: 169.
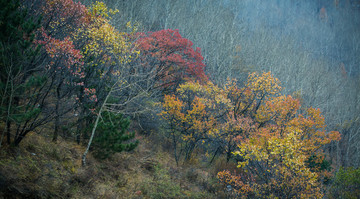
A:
x: 179, y: 99
x: 39, y: 168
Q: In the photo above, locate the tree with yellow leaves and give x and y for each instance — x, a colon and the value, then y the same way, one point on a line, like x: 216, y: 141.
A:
x: 193, y: 115
x: 107, y: 54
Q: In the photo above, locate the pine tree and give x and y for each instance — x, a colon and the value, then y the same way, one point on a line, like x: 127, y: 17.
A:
x: 17, y: 65
x: 112, y: 136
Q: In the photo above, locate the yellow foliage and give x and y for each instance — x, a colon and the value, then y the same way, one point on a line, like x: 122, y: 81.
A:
x: 103, y: 41
x: 100, y: 9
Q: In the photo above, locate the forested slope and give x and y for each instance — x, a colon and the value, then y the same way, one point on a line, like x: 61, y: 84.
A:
x: 178, y: 99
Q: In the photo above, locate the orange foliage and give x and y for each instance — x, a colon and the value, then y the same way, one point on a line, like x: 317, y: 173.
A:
x: 275, y: 152
x: 269, y: 132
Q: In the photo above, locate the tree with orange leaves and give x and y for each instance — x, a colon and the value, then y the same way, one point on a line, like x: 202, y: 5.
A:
x: 275, y: 152
x: 275, y: 140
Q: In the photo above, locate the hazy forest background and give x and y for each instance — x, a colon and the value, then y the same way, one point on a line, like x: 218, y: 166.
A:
x: 201, y: 97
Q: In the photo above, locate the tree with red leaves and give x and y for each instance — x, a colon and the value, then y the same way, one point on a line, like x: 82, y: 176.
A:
x: 171, y: 57
x: 63, y: 60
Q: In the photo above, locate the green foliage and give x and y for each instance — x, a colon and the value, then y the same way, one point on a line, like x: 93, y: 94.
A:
x: 16, y: 26
x: 27, y: 115
x: 112, y: 136
x: 346, y: 184
x: 36, y: 81
x: 314, y: 164
x: 321, y: 165
x: 17, y: 64
x: 16, y: 38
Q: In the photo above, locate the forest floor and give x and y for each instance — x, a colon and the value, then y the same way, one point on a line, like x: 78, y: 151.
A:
x: 39, y: 168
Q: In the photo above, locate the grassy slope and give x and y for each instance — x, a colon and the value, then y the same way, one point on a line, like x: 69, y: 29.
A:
x: 42, y: 169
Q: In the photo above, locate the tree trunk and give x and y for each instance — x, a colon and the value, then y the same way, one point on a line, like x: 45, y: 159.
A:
x: 229, y: 152
x: 213, y: 158
x: 175, y: 152
x: 79, y: 127
x: 57, y: 117
x: 81, y: 116
x: 8, y: 131
x: 18, y: 138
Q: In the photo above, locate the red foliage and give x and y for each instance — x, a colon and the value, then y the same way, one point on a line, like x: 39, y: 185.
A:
x: 91, y: 94
x: 58, y: 37
x: 63, y: 55
x: 62, y: 15
x: 172, y: 56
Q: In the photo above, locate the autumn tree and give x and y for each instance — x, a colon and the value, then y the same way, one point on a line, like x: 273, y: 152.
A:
x: 193, y: 114
x: 274, y: 153
x: 277, y: 143
x: 65, y: 68
x: 171, y: 57
x: 218, y: 115
x: 84, y: 53
x: 239, y: 121
x: 62, y: 59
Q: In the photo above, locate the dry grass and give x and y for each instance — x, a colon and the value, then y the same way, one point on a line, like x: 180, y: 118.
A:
x: 42, y: 169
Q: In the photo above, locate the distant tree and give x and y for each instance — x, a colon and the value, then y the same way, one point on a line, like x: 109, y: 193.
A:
x: 212, y: 25
x: 300, y: 49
